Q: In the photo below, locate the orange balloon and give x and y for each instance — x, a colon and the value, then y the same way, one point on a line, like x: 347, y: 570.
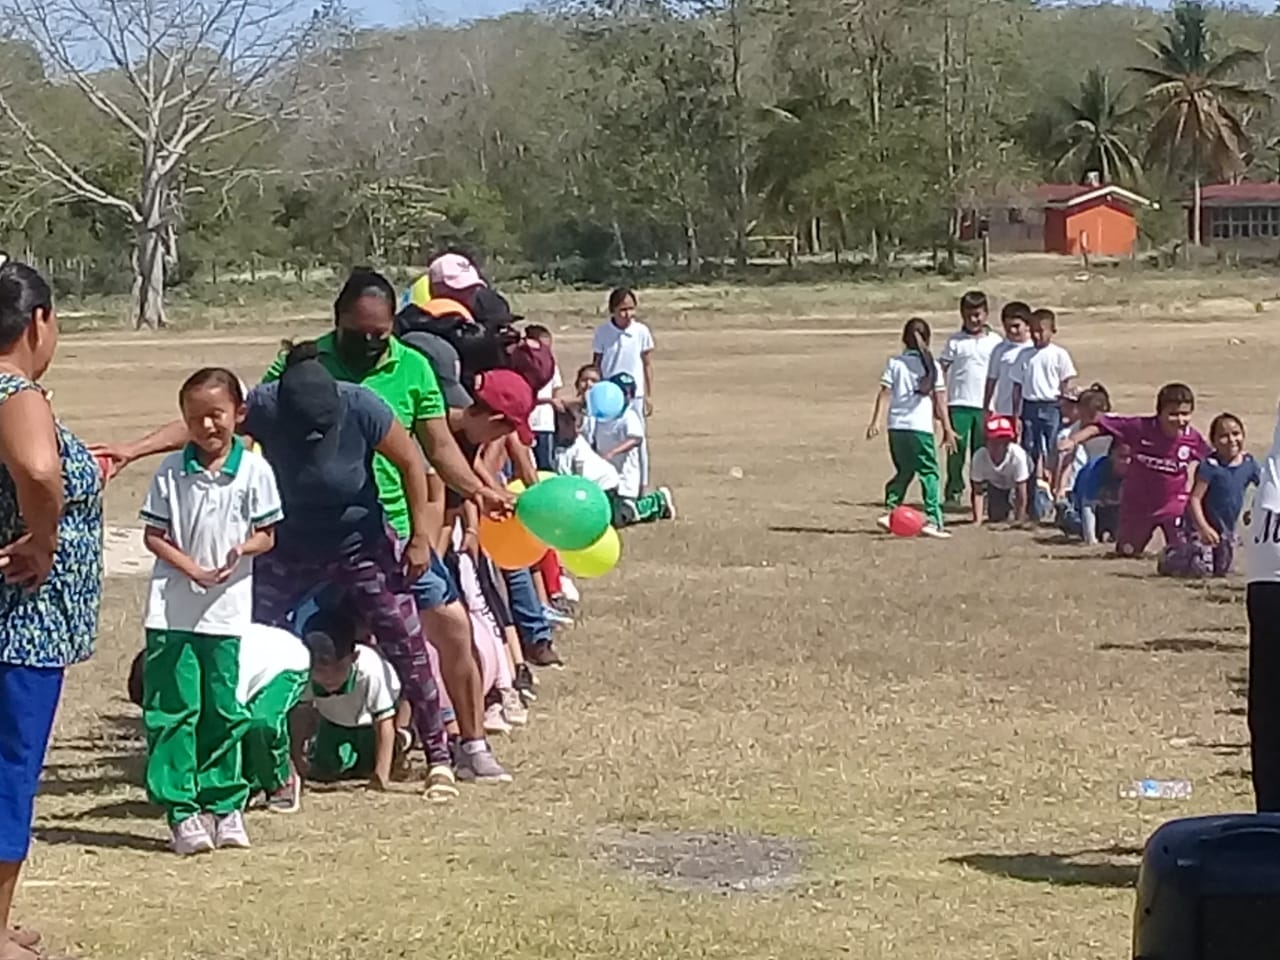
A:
x: 509, y: 543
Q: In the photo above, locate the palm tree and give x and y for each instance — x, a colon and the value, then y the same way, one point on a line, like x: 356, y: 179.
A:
x: 1095, y: 135
x: 1194, y: 99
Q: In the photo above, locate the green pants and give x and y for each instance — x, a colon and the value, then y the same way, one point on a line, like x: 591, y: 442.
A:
x: 194, y: 724
x: 339, y: 753
x: 914, y: 455
x: 266, y: 740
x: 967, y: 424
x: 644, y: 509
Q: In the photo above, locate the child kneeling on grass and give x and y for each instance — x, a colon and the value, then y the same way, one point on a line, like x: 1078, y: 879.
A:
x: 355, y: 694
x: 575, y: 457
x: 999, y: 475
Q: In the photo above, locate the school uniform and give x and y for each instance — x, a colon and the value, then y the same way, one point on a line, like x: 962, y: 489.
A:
x: 579, y: 460
x: 193, y: 719
x: 622, y: 350
x: 543, y: 423
x: 345, y: 742
x: 1041, y: 375
x: 911, y: 443
x: 1262, y: 605
x: 1000, y: 479
x: 274, y: 670
x: 966, y: 358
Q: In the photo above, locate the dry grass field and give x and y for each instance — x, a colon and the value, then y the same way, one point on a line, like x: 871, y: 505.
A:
x: 935, y: 730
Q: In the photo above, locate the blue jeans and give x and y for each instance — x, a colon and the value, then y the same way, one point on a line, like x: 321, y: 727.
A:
x: 28, y: 701
x: 436, y: 586
x: 526, y: 608
x: 1041, y: 421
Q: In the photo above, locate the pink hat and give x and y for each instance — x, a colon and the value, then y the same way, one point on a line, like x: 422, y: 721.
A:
x: 454, y: 272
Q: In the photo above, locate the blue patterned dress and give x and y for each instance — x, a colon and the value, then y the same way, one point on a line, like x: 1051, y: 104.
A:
x: 56, y: 625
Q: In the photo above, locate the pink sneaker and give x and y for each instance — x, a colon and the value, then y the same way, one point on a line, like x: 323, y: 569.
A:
x: 190, y: 837
x: 229, y: 831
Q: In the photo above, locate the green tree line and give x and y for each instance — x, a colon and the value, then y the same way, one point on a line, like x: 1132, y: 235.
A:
x: 597, y: 134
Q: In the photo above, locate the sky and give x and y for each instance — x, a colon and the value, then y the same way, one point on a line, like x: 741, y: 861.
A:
x: 391, y: 12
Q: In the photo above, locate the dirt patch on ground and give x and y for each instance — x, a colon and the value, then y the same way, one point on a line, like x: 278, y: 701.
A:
x: 715, y: 861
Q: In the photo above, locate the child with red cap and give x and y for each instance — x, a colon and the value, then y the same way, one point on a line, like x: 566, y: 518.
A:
x: 999, y: 474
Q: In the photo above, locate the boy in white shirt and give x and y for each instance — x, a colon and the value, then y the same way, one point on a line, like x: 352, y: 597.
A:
x: 621, y: 345
x: 965, y: 361
x: 576, y: 457
x: 543, y: 419
x: 1046, y: 372
x: 999, y: 475
x: 1006, y: 359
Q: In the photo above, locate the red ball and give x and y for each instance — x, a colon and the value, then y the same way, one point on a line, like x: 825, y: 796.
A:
x: 906, y: 521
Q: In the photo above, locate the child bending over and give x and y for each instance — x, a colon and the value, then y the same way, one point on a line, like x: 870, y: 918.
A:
x: 999, y: 475
x: 211, y: 508
x: 575, y: 457
x: 621, y: 443
x: 1164, y: 448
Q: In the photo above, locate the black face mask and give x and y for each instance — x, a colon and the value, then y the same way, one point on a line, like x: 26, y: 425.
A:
x: 360, y: 352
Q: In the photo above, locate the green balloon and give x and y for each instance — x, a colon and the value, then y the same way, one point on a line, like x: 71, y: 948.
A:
x: 566, y: 513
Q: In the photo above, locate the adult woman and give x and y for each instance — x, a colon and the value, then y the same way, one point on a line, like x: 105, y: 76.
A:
x: 51, y: 529
x: 361, y: 350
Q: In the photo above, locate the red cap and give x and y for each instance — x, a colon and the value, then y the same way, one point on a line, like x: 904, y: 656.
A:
x: 1000, y: 428
x: 507, y: 393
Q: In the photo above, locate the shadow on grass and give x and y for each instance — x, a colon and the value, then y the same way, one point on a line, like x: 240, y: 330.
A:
x: 1100, y: 867
x: 823, y: 531
x: 120, y: 810
x: 97, y: 775
x: 110, y: 839
x: 1177, y: 645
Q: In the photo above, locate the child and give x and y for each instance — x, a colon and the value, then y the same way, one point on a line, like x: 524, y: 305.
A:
x: 1093, y: 510
x: 1006, y: 359
x: 999, y: 475
x: 1164, y: 447
x: 1046, y: 371
x: 1084, y: 410
x: 913, y: 390
x: 1217, y: 499
x: 622, y: 344
x: 965, y: 363
x: 210, y: 509
x: 587, y: 377
x: 543, y: 419
x: 620, y: 442
x: 355, y: 693
x: 1262, y: 606
x: 575, y: 457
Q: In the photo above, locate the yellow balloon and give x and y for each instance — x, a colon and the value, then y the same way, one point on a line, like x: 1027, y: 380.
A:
x: 597, y: 559
x: 517, y: 486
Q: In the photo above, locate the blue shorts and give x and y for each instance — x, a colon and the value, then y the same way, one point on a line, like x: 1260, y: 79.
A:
x: 28, y: 702
x: 436, y: 587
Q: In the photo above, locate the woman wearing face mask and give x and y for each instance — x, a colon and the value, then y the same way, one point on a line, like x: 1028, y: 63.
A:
x: 362, y: 350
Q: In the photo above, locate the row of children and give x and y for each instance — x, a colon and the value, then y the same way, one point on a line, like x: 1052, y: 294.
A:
x: 1043, y: 450
x: 252, y: 547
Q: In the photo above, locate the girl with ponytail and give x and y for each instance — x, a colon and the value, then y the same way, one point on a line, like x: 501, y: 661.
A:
x: 913, y: 390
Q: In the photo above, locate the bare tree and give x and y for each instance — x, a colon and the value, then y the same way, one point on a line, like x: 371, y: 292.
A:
x: 177, y: 77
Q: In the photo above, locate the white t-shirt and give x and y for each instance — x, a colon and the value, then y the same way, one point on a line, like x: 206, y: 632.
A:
x: 612, y: 433
x: 580, y: 460
x: 206, y: 515
x: 1014, y: 469
x: 1042, y: 372
x: 543, y: 418
x: 370, y: 694
x: 967, y: 360
x: 622, y: 351
x: 265, y: 653
x: 909, y: 410
x: 1005, y: 366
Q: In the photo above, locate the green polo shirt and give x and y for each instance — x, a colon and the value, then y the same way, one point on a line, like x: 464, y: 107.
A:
x: 404, y: 379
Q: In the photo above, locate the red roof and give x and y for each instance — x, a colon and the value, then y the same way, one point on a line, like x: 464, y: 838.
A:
x: 1227, y: 194
x: 1062, y: 195
x: 1059, y: 192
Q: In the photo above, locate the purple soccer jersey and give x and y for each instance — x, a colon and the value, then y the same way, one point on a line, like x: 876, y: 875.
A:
x: 1156, y: 485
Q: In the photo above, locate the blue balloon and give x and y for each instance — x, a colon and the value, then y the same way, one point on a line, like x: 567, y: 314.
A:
x: 606, y: 401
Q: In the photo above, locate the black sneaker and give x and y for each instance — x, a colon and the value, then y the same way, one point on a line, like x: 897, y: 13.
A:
x: 524, y: 685
x: 543, y: 655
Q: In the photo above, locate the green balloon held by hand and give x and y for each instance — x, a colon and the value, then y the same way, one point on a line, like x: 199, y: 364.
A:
x: 567, y: 513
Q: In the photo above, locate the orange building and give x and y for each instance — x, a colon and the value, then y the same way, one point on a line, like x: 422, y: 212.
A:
x: 1094, y: 220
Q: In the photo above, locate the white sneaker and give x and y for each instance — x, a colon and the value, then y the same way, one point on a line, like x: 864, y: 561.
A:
x: 229, y: 831
x: 190, y: 837
x: 513, y: 709
x: 935, y: 533
x: 669, y: 513
x: 883, y: 523
x: 494, y: 722
x: 569, y: 589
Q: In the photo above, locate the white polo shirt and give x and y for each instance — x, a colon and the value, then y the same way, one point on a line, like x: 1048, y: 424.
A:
x: 206, y: 515
x: 612, y: 433
x: 543, y: 418
x: 1005, y: 365
x: 967, y: 360
x: 1043, y: 372
x: 622, y: 351
x: 909, y: 410
x: 1014, y: 469
x: 265, y: 653
x: 579, y: 460
x: 370, y: 694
